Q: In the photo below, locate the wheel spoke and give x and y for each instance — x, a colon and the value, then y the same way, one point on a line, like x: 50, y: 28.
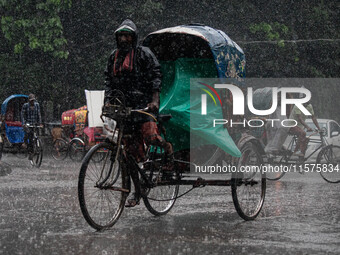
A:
x: 329, y: 161
x: 248, y: 188
x: 161, y: 198
x: 101, y: 207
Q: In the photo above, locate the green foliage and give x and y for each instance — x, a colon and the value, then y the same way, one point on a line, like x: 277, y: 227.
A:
x: 151, y: 8
x: 35, y: 25
x: 58, y: 48
x: 271, y: 31
x: 320, y: 13
x: 144, y: 13
x: 316, y: 72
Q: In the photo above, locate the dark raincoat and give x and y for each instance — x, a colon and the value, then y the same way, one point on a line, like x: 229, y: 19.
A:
x: 139, y: 83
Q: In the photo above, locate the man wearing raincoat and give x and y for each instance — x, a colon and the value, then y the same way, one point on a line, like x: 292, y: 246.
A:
x: 135, y: 71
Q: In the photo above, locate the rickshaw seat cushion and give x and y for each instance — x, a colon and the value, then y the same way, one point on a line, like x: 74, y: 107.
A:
x: 15, y: 134
x: 14, y: 123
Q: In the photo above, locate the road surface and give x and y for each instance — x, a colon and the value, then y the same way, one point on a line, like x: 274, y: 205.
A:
x: 39, y: 214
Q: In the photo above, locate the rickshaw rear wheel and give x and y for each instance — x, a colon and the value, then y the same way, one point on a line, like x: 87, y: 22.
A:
x: 329, y: 159
x: 102, y: 186
x: 77, y: 149
x: 161, y: 198
x: 248, y: 184
x: 59, y: 149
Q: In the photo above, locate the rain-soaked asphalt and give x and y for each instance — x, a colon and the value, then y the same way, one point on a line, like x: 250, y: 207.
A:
x: 39, y: 214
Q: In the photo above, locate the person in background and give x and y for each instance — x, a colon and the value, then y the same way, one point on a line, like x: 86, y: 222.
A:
x: 298, y: 130
x: 30, y: 115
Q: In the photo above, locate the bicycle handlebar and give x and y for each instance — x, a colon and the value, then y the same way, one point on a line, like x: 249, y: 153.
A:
x: 33, y: 126
x: 116, y: 110
x: 316, y: 131
x: 141, y: 110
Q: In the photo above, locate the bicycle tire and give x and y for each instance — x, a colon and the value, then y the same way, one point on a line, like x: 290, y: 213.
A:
x: 76, y: 149
x: 275, y: 176
x: 59, y: 149
x: 160, y: 199
x: 102, y: 207
x: 250, y: 184
x: 37, y: 153
x: 329, y: 155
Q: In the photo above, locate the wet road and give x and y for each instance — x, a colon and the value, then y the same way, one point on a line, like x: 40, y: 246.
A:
x: 39, y: 214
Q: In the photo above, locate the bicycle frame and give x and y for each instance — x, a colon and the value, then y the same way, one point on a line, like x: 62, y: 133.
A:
x: 34, y: 129
x: 134, y: 168
x: 323, y: 143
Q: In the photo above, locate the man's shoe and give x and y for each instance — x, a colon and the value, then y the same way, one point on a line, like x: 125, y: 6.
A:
x: 133, y: 201
x: 30, y: 156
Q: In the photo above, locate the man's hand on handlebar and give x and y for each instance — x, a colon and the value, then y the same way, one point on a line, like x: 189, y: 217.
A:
x: 33, y: 125
x: 152, y: 107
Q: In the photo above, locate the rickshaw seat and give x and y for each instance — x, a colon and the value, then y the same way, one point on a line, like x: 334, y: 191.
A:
x: 13, y: 123
x: 164, y: 117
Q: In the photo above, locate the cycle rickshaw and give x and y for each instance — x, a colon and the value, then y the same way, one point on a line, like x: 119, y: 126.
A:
x: 12, y: 132
x: 77, y: 137
x: 276, y: 146
x: 185, y: 52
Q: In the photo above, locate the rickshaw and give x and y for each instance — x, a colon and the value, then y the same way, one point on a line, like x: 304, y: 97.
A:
x: 185, y: 52
x: 12, y: 132
x: 276, y: 145
x: 77, y: 136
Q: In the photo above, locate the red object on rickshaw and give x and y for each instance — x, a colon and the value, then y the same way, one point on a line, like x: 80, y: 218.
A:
x: 81, y: 136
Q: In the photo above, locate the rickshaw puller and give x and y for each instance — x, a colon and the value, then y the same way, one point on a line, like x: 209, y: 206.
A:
x: 30, y: 114
x: 298, y: 130
x: 135, y: 71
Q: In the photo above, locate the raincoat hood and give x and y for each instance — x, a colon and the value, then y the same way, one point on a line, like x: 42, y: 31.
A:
x: 127, y: 25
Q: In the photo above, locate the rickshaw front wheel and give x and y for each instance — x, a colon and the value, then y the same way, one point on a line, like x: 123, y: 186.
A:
x: 102, y: 186
x: 59, y: 149
x: 37, y: 153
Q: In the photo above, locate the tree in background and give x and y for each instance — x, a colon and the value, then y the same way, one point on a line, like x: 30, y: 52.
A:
x: 58, y: 48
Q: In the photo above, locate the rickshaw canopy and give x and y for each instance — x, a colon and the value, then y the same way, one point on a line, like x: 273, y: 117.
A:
x: 187, y: 52
x: 11, y: 110
x: 199, y: 41
x: 8, y: 99
x: 74, y: 116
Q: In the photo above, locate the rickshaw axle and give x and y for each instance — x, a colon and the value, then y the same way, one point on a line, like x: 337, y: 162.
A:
x: 199, y: 182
